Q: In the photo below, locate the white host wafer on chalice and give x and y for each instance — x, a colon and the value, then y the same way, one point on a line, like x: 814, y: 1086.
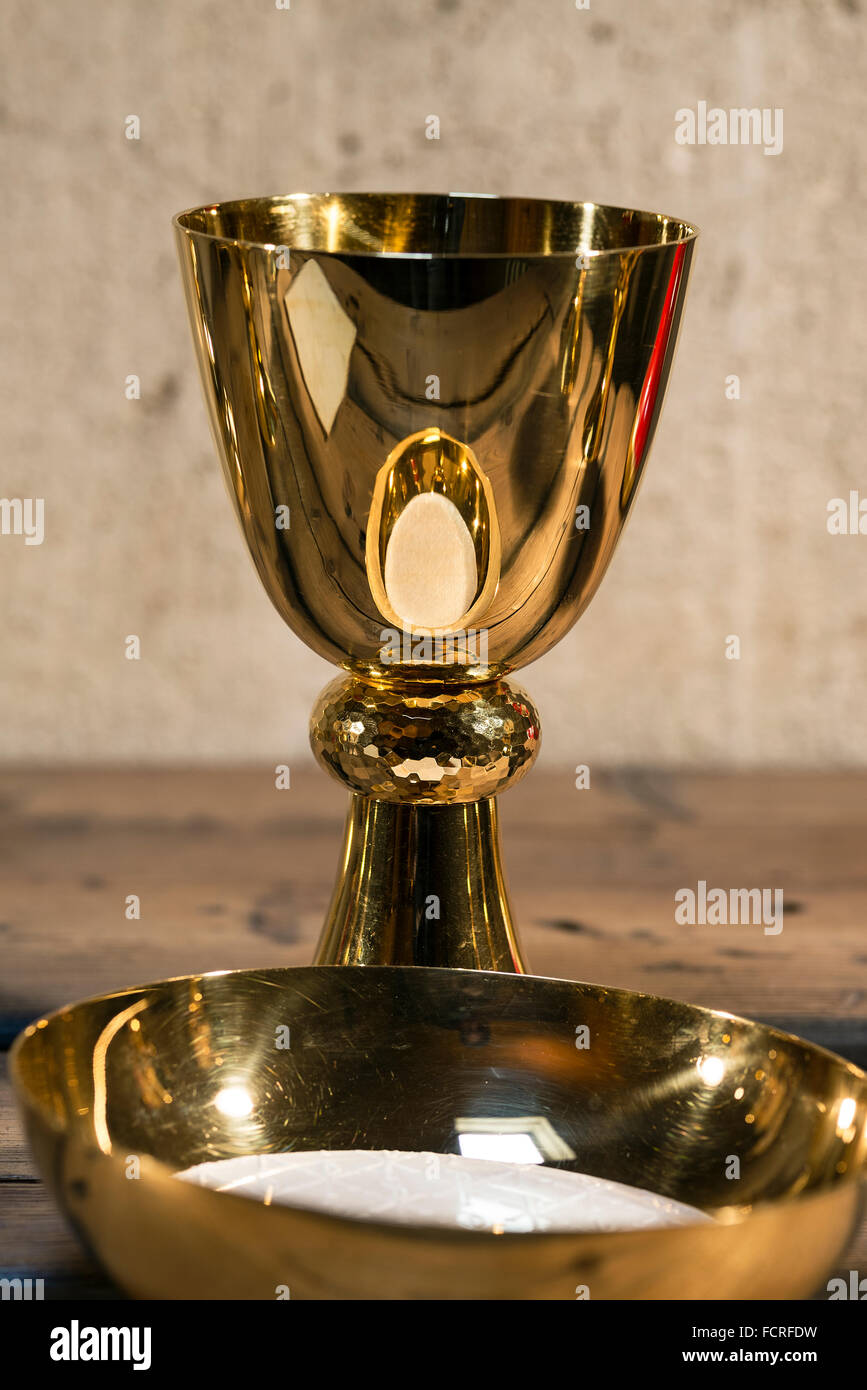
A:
x: 430, y: 565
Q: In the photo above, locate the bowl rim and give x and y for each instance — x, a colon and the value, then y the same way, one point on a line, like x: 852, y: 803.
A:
x: 687, y: 231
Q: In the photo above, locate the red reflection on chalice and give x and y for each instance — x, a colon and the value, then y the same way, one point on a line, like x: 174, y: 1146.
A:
x: 652, y: 381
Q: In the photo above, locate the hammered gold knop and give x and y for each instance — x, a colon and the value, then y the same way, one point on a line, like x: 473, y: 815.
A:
x: 426, y: 745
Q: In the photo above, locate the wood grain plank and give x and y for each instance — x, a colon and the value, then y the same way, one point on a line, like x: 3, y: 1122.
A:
x: 232, y: 873
x: 35, y: 1243
x: 16, y: 1165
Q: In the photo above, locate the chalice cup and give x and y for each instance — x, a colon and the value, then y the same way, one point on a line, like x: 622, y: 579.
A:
x: 433, y: 413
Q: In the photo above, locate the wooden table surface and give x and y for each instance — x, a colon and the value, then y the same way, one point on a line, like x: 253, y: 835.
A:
x: 233, y: 873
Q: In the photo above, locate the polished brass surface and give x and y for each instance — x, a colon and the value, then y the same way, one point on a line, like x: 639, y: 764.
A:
x: 421, y: 885
x: 390, y: 1058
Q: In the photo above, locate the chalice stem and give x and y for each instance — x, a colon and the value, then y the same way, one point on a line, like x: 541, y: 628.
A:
x: 421, y: 885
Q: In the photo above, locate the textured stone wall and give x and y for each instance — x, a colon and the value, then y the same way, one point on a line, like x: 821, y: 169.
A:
x: 729, y: 535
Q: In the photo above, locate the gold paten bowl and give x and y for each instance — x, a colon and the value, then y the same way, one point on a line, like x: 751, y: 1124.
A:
x: 121, y: 1092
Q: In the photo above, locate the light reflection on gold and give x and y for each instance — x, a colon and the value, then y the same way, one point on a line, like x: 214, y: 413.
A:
x: 100, y: 1052
x: 711, y: 1070
x: 234, y: 1101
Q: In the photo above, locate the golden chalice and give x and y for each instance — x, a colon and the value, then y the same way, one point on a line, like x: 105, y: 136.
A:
x: 503, y: 362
